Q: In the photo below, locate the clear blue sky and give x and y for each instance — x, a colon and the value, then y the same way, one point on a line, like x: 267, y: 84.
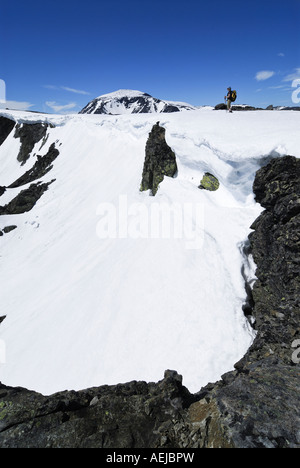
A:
x: 56, y: 56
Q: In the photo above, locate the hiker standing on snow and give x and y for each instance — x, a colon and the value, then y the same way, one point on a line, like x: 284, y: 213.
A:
x: 229, y: 99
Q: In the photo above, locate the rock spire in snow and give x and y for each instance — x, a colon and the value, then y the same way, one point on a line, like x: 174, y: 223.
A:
x: 160, y: 160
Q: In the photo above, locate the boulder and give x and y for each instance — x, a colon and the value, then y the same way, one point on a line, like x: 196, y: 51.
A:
x: 209, y: 182
x: 221, y: 106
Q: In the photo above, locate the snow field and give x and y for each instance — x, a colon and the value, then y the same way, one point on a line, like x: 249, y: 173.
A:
x: 84, y: 309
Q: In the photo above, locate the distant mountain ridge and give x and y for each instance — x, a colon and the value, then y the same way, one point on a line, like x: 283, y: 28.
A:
x: 126, y: 101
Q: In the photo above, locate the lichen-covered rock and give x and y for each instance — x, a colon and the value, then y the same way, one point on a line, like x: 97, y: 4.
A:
x: 257, y: 407
x: 209, y: 182
x: 160, y: 160
x: 276, y: 180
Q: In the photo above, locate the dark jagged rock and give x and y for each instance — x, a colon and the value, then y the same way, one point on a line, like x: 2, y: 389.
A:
x: 293, y: 108
x: 257, y: 405
x: 7, y: 229
x: 6, y: 126
x: 40, y: 168
x: 280, y: 178
x: 244, y: 108
x: 160, y: 160
x: 134, y: 414
x: 238, y: 107
x: 29, y: 135
x: 25, y: 200
x: 276, y: 251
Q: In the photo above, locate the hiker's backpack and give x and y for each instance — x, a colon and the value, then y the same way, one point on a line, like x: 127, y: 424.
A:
x: 233, y: 95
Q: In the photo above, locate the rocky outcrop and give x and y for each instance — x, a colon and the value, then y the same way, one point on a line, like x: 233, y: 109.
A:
x: 243, y: 107
x: 293, y: 108
x: 257, y: 405
x: 276, y: 250
x: 39, y: 169
x: 135, y: 414
x: 160, y: 160
x: 25, y: 200
x: 223, y: 106
x: 6, y: 126
x: 29, y: 134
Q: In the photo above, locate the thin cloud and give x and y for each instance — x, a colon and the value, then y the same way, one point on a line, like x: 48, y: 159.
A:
x: 281, y: 54
x: 76, y: 91
x: 66, y: 88
x: 276, y: 87
x: 293, y: 76
x: 264, y: 75
x: 60, y: 108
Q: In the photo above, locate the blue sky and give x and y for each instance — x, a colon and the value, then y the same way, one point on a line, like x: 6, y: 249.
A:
x: 56, y: 56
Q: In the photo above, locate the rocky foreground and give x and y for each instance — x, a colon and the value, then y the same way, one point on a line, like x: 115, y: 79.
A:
x: 256, y: 405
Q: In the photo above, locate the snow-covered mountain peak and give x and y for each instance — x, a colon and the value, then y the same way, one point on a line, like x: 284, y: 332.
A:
x: 126, y: 101
x: 120, y: 93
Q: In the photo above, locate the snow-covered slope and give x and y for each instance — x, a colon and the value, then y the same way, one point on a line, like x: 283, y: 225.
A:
x: 126, y: 101
x: 96, y: 289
